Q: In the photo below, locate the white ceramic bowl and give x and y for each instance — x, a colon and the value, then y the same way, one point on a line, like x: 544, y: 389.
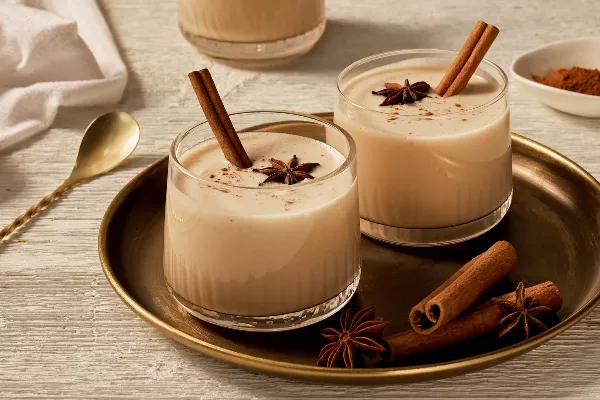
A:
x: 581, y: 52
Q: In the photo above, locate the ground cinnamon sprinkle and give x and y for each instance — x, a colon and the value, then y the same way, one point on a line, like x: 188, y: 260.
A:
x: 576, y: 79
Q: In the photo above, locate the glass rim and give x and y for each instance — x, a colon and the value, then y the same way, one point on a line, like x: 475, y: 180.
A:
x: 414, y: 51
x: 174, y: 159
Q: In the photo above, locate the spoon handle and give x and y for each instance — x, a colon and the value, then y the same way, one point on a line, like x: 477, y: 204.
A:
x: 34, y: 210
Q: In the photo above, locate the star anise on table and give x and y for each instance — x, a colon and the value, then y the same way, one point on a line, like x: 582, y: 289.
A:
x: 395, y: 93
x: 289, y: 173
x: 521, y: 312
x: 360, y: 334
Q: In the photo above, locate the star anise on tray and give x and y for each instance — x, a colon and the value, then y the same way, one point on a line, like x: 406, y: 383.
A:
x: 521, y: 312
x: 289, y: 173
x: 360, y: 334
x: 395, y: 93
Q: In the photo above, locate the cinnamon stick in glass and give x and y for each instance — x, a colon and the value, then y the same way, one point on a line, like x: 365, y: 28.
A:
x: 461, y: 59
x: 463, y: 288
x: 218, y: 119
x: 485, y: 319
x: 470, y: 56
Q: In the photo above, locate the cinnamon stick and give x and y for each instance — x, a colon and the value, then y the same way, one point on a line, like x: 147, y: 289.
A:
x: 485, y: 319
x: 463, y: 288
x: 461, y: 59
x: 454, y: 82
x: 544, y: 294
x: 218, y: 119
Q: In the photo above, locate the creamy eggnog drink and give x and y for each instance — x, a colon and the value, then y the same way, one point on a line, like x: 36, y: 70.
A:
x: 433, y: 171
x: 251, y: 254
x: 247, y: 30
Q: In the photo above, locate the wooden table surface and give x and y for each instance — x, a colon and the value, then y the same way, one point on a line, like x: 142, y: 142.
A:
x: 63, y: 331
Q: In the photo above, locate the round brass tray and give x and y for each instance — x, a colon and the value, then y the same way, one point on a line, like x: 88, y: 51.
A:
x: 554, y: 223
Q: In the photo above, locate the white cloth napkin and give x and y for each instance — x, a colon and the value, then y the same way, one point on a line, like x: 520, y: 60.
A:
x: 53, y: 53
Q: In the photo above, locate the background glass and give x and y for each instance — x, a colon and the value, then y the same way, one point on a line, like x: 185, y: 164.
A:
x: 252, y: 32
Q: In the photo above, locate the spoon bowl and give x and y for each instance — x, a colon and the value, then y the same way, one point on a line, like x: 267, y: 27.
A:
x: 108, y: 141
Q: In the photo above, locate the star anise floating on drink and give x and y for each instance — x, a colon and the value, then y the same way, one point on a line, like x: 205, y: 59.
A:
x: 289, y: 173
x: 521, y: 312
x: 358, y: 335
x: 395, y: 93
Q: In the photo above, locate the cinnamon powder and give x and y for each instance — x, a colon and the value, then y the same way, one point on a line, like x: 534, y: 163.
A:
x: 576, y: 79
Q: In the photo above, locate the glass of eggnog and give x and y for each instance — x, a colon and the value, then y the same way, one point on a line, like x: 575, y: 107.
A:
x: 434, y: 170
x: 268, y: 248
x: 252, y: 33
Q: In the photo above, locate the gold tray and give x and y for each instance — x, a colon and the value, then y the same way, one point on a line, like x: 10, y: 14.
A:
x: 554, y: 223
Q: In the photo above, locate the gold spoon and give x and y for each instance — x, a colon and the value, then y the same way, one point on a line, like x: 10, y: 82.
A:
x: 107, y: 142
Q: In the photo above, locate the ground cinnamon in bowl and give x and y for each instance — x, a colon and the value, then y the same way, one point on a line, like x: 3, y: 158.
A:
x: 576, y: 79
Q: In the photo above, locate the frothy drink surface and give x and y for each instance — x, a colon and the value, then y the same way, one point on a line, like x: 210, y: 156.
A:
x: 235, y: 248
x: 434, y: 163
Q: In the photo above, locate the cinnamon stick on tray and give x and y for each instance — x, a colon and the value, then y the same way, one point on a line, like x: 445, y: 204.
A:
x: 486, y: 319
x: 463, y: 288
x: 218, y: 119
x: 470, y: 56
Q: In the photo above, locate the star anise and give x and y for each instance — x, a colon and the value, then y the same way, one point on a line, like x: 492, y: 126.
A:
x: 395, y: 93
x: 289, y: 173
x: 360, y: 335
x: 522, y: 311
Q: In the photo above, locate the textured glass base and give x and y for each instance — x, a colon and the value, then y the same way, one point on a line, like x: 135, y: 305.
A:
x: 276, y: 323
x: 256, y: 55
x: 427, y: 237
